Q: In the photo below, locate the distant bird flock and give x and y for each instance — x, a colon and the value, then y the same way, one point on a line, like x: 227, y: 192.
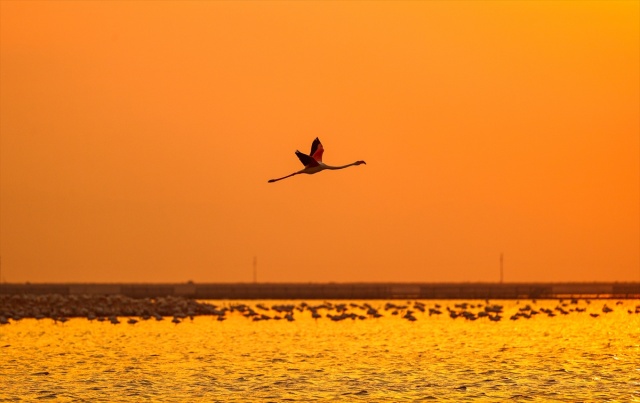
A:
x: 116, y: 309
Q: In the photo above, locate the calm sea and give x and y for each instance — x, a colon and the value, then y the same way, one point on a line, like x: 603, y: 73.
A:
x: 572, y: 357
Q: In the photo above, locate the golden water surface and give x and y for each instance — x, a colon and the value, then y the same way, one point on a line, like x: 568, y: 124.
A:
x: 573, y: 357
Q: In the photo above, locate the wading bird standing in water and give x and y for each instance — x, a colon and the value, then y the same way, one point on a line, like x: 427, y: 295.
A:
x: 313, y: 162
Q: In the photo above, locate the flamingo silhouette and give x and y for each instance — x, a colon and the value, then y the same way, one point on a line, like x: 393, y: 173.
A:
x: 313, y: 162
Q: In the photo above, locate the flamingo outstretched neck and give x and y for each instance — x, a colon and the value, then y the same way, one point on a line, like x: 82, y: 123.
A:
x: 313, y: 162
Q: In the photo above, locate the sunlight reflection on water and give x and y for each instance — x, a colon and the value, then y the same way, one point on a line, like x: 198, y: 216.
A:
x: 567, y: 357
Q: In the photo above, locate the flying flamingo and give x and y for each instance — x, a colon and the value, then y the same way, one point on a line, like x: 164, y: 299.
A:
x: 313, y: 162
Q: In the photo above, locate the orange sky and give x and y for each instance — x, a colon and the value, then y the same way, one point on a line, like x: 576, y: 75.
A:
x: 137, y: 139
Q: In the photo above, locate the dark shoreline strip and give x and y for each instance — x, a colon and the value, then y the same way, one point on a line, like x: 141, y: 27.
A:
x: 320, y: 291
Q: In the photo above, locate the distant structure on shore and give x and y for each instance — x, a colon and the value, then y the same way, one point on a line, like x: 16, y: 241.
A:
x: 255, y: 270
x: 338, y: 290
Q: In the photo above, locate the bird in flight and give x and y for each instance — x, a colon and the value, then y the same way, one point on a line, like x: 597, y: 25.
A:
x: 313, y: 162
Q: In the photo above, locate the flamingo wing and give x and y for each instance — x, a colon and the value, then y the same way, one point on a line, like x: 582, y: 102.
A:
x: 316, y: 150
x: 306, y: 160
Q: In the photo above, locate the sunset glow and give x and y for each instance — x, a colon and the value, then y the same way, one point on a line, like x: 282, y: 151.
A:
x: 137, y: 138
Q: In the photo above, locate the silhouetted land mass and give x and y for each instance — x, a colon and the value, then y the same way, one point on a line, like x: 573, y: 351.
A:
x: 335, y: 290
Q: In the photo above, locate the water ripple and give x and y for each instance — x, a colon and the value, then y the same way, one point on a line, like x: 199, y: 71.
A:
x: 575, y: 358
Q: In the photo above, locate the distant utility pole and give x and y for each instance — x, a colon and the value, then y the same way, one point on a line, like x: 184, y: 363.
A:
x: 255, y: 269
x: 501, y: 268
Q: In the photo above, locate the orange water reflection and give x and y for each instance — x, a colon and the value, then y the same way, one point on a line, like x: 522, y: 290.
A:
x: 573, y: 356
